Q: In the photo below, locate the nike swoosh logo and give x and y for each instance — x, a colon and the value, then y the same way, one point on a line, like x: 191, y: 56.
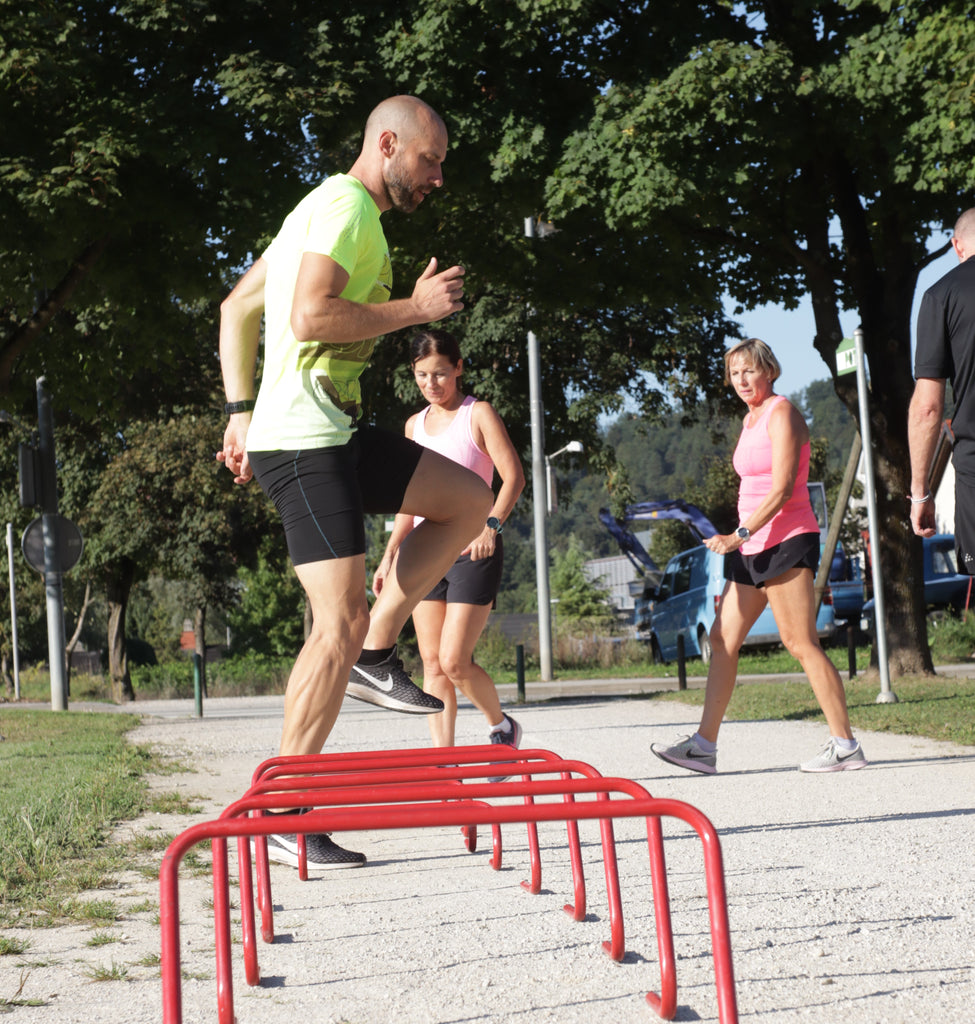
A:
x: 386, y: 685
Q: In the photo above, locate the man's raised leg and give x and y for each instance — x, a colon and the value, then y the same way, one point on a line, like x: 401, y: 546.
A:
x: 455, y: 504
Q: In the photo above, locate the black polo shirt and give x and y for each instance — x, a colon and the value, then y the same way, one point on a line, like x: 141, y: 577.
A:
x: 946, y: 349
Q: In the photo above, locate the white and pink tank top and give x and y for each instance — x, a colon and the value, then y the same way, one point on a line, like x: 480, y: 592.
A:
x: 456, y: 443
x: 753, y: 463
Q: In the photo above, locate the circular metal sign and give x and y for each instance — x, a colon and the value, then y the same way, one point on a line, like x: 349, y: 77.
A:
x: 69, y: 544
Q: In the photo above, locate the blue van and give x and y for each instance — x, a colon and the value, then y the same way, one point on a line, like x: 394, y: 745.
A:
x: 683, y: 608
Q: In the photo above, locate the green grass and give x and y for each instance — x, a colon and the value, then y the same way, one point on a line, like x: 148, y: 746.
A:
x: 111, y: 972
x: 67, y: 778
x: 939, y: 709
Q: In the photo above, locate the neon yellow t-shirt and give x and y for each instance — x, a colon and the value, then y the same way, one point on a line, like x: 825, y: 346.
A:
x: 309, y: 395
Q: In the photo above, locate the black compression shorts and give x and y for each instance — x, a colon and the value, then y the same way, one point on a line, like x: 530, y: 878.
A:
x: 322, y: 494
x: 964, y: 524
x: 799, y: 552
x: 471, y: 581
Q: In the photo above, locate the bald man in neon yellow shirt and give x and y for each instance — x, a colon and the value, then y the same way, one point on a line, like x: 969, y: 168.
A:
x: 323, y: 288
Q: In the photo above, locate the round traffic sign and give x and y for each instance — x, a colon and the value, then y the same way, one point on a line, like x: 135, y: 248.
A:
x: 68, y: 542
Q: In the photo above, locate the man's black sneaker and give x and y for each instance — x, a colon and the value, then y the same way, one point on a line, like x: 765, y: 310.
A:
x: 321, y: 853
x: 388, y: 685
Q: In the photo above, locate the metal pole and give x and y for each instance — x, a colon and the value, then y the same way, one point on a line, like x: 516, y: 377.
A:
x: 539, y: 497
x: 52, y: 569
x: 13, y: 609
x: 886, y: 695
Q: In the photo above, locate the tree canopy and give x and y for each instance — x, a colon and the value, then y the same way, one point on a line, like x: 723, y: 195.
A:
x: 682, y: 151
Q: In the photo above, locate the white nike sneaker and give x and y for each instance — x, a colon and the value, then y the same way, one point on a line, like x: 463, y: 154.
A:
x: 685, y: 753
x: 388, y: 686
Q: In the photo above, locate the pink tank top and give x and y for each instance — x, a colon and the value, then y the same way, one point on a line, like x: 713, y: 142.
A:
x: 753, y: 463
x: 456, y: 443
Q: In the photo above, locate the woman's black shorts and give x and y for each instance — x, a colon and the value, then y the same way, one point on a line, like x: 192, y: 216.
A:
x: 322, y: 494
x: 799, y: 552
x: 470, y: 581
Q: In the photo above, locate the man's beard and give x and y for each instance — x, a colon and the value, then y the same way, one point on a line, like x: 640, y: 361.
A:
x: 401, y: 193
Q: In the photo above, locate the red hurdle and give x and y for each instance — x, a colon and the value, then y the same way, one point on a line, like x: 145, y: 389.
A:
x: 413, y: 789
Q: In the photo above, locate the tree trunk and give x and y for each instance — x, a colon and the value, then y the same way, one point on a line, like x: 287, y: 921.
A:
x: 309, y: 618
x: 884, y: 304
x: 118, y: 590
x: 76, y: 636
x: 200, y: 644
x: 8, y: 679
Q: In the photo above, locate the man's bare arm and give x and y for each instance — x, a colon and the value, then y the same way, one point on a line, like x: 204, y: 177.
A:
x: 240, y: 332
x: 924, y: 419
x: 318, y: 313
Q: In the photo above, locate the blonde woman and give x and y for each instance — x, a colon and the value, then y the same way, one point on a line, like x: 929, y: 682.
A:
x: 771, y: 558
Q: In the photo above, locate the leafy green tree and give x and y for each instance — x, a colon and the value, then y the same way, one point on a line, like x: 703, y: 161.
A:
x: 761, y: 137
x: 268, y: 618
x: 580, y: 600
x: 683, y: 151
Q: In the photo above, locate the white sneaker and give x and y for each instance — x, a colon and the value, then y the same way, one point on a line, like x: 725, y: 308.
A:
x: 832, y: 759
x: 685, y: 753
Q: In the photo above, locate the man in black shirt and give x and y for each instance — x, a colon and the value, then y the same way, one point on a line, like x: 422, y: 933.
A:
x: 946, y: 351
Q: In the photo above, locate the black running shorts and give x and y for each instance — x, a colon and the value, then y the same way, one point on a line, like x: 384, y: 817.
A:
x: 322, y: 494
x: 965, y: 524
x: 799, y: 552
x: 471, y: 581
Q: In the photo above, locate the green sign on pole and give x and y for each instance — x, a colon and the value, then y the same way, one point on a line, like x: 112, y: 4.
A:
x: 846, y: 357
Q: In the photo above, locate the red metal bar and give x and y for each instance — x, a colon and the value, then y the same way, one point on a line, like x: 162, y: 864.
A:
x: 248, y: 939
x: 453, y: 813
x: 221, y: 931
x: 347, y: 765
x: 664, y: 1003
x: 297, y: 769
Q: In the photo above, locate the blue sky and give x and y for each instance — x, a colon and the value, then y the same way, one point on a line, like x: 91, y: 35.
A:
x: 790, y: 332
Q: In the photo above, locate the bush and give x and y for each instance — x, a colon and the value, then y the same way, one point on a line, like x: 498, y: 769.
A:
x: 239, y: 676
x: 496, y: 652
x: 952, y: 639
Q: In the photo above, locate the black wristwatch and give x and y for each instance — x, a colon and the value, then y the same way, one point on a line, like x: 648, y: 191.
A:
x: 243, y: 406
x: 743, y: 533
x: 495, y: 524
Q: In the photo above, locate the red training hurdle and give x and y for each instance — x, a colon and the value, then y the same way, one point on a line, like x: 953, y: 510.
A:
x: 413, y: 789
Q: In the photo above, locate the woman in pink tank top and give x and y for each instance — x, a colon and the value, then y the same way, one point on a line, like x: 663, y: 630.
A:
x: 450, y: 619
x: 771, y: 558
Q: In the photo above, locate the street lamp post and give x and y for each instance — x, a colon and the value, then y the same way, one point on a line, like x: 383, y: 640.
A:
x: 551, y: 499
x: 538, y: 500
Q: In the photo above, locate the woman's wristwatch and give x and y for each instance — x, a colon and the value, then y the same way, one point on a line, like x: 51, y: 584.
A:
x: 494, y: 523
x: 743, y: 533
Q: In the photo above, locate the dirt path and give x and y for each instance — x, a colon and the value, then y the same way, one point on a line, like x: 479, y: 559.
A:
x: 851, y: 897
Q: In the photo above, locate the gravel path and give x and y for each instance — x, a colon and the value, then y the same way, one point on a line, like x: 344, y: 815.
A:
x: 850, y: 896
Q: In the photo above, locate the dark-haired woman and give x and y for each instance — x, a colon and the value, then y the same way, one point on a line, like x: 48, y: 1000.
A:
x: 450, y: 620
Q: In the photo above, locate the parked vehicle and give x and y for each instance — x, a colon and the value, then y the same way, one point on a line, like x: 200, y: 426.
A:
x: 846, y: 589
x: 682, y: 609
x: 945, y: 588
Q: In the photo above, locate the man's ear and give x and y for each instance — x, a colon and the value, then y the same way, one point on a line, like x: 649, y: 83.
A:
x: 388, y: 142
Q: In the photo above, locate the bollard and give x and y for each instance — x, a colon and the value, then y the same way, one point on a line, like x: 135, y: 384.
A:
x: 851, y: 649
x: 197, y: 687
x: 681, y: 665
x: 520, y: 671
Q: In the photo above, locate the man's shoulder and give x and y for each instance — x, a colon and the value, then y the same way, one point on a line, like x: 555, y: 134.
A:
x: 960, y: 278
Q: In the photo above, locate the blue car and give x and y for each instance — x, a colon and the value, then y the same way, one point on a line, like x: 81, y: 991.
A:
x: 682, y: 610
x: 945, y: 588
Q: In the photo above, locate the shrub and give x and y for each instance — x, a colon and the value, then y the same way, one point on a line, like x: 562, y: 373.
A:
x: 952, y: 639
